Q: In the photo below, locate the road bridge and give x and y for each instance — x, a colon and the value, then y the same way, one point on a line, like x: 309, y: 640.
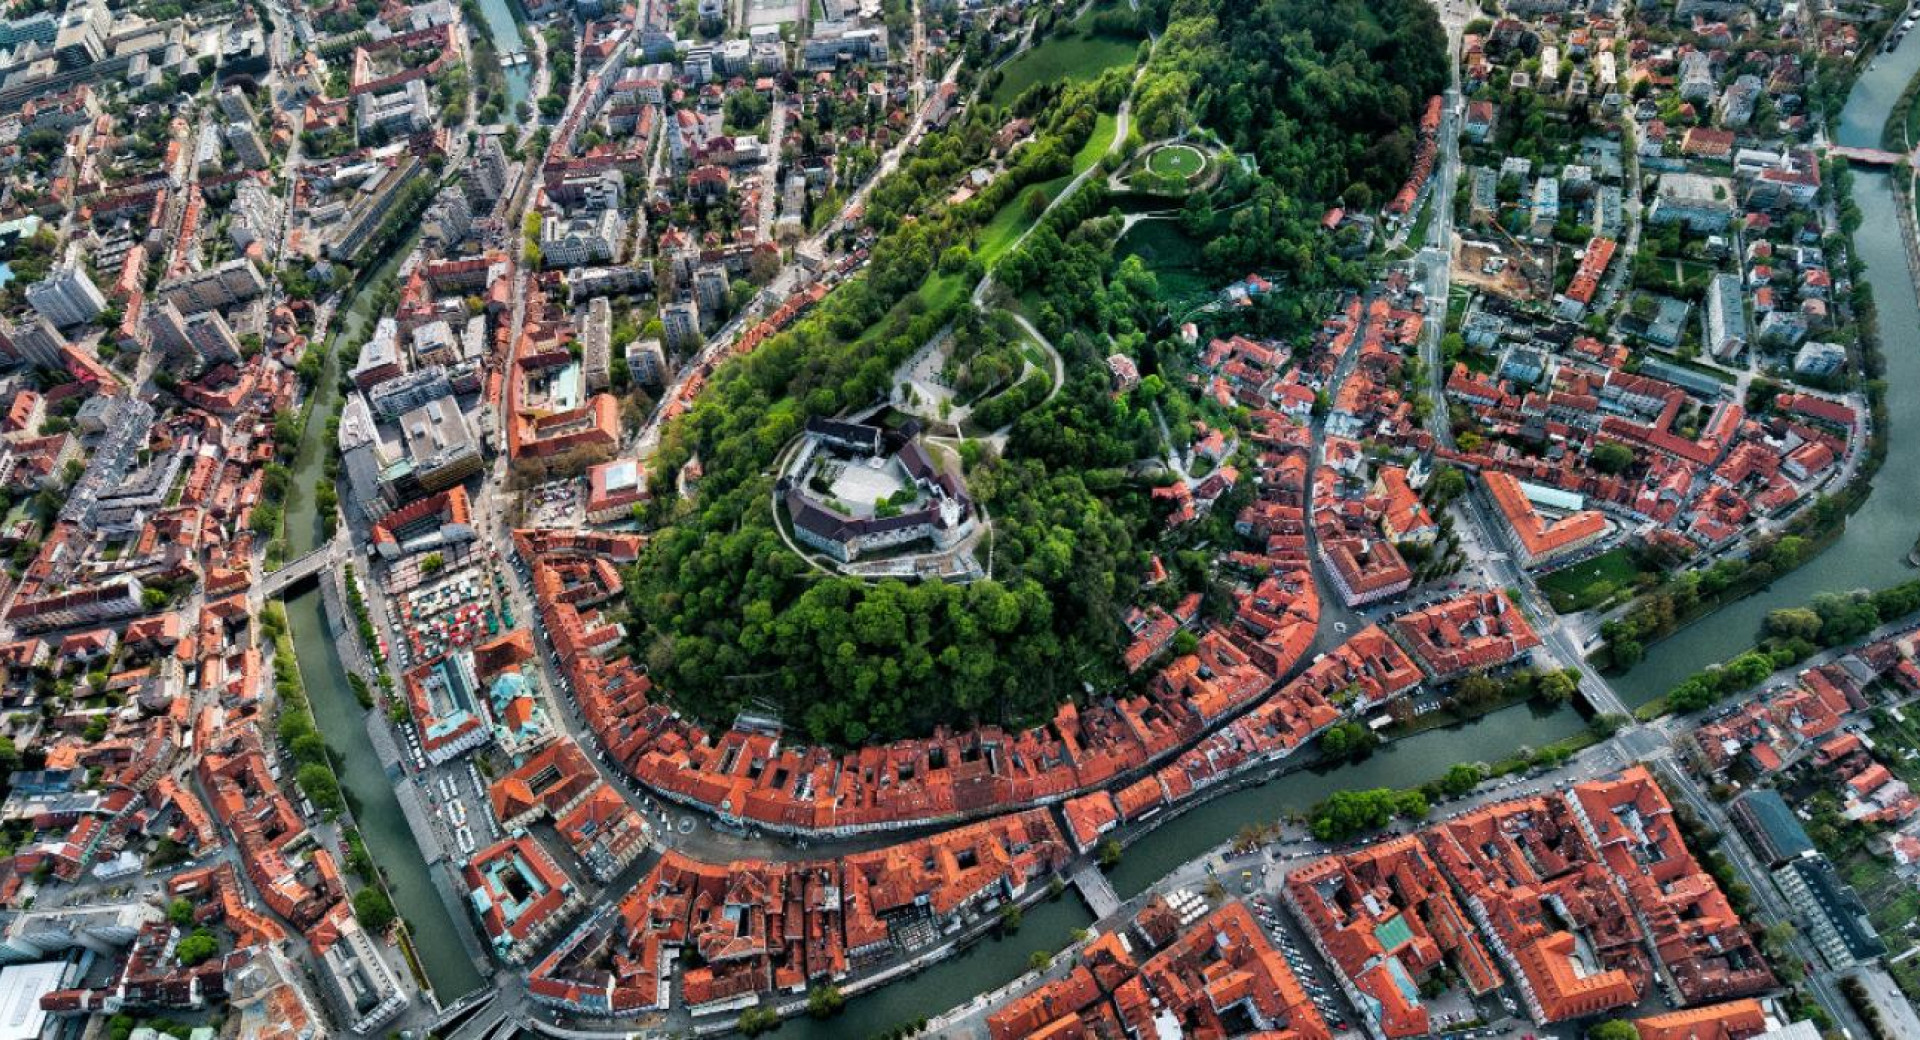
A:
x: 295, y: 571
x: 484, y: 995
x: 483, y: 1025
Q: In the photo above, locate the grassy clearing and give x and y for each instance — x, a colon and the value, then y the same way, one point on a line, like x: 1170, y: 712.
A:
x: 1593, y: 583
x: 1172, y: 254
x: 942, y: 289
x: 1417, y: 238
x: 1176, y: 160
x: 1005, y: 228
x: 1104, y: 127
x: 1074, y: 57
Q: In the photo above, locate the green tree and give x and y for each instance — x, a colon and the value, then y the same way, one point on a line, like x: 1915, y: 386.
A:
x: 825, y: 1001
x: 197, y: 947
x: 1793, y: 623
x: 1612, y: 457
x: 1607, y: 724
x: 1614, y: 1029
x: 317, y: 782
x: 1110, y: 853
x: 1558, y: 687
x: 756, y: 1020
x: 1461, y: 778
x: 1346, y: 813
x: 1347, y: 740
x: 1478, y: 688
x: 373, y: 908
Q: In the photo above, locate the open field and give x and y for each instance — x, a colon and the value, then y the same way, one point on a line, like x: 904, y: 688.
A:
x: 1172, y: 255
x: 1073, y: 57
x: 1592, y: 582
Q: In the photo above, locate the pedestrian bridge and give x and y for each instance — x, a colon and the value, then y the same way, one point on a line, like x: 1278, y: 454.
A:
x: 295, y: 571
x: 1097, y: 891
x: 1869, y: 156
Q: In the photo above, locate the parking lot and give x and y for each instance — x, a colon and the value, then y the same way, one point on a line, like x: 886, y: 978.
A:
x: 557, y: 503
x: 1307, y: 966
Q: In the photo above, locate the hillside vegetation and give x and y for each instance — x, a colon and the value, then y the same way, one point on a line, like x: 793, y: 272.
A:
x: 728, y: 618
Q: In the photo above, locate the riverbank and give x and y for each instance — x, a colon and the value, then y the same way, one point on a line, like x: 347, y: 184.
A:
x: 1155, y: 848
x: 1817, y: 525
x: 1870, y: 551
x: 434, y: 932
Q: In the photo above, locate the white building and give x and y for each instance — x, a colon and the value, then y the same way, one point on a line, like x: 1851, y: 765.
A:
x: 591, y: 238
x: 1820, y: 359
x: 66, y: 296
x: 680, y: 324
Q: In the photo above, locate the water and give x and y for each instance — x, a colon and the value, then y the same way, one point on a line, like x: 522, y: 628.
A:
x: 338, y: 713
x: 1872, y: 553
x: 986, y: 966
x: 1403, y: 763
x: 505, y: 33
x: 995, y: 963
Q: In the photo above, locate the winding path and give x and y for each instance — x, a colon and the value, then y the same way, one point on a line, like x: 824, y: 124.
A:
x: 1122, y: 118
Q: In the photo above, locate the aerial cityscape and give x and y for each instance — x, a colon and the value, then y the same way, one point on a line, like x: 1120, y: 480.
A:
x: 989, y: 519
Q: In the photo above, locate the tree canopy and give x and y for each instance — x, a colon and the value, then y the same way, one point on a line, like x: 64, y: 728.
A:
x: 1325, y: 97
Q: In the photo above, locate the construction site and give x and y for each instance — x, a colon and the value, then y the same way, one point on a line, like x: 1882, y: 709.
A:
x: 1508, y: 268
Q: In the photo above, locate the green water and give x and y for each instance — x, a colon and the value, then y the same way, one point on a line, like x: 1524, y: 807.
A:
x: 338, y: 713
x: 1872, y: 553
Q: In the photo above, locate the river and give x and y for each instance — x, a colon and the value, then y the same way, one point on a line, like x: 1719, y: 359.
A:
x: 996, y: 962
x: 1872, y: 552
x: 339, y: 715
x: 505, y: 33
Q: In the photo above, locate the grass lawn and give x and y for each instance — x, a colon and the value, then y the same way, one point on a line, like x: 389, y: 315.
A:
x: 1172, y: 255
x: 1005, y: 228
x: 1458, y: 298
x: 1104, y: 127
x: 1176, y: 160
x: 1417, y: 238
x: 1592, y: 583
x: 942, y: 289
x: 1074, y: 57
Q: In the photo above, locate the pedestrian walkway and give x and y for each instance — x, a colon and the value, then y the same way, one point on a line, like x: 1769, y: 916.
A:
x: 1099, y: 894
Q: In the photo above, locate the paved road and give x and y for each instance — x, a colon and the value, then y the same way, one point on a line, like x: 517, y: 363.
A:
x: 1636, y: 741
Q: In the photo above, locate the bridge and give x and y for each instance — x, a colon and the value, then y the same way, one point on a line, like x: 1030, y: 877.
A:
x: 494, y: 1023
x: 295, y: 571
x: 1097, y: 891
x: 1869, y: 156
x: 483, y: 995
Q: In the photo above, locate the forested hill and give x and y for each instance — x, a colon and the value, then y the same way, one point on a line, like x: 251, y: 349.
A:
x: 1325, y: 95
